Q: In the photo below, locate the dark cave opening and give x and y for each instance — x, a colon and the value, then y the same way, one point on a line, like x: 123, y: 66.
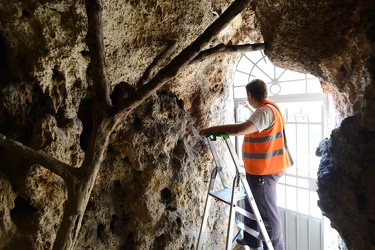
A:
x: 21, y: 211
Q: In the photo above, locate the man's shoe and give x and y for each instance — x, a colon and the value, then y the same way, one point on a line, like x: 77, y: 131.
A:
x: 242, y: 242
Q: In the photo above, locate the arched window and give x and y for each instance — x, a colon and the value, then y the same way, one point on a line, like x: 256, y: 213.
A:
x: 281, y: 82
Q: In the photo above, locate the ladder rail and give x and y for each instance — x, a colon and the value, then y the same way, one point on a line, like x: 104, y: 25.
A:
x: 233, y: 154
x: 207, y: 206
x: 232, y: 212
x: 217, y: 161
x: 202, y: 231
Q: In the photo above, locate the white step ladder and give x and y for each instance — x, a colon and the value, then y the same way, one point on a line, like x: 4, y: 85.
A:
x: 239, y: 191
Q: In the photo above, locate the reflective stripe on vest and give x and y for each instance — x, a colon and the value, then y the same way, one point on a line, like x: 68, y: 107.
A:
x: 264, y: 139
x: 263, y: 153
x: 263, y: 156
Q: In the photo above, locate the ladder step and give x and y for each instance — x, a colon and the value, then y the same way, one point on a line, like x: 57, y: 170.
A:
x: 225, y: 195
x: 242, y: 211
x: 251, y: 231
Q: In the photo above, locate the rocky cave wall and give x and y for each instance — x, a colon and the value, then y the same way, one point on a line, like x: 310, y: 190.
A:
x: 151, y: 188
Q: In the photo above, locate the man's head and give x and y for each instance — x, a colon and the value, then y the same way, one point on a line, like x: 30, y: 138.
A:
x: 257, y: 89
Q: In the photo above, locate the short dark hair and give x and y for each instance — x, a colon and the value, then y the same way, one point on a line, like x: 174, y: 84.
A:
x: 258, y: 89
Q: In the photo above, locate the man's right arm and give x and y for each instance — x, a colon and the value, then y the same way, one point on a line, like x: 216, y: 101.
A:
x: 246, y: 127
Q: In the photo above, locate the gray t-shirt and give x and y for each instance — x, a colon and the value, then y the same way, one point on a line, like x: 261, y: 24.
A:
x: 262, y: 118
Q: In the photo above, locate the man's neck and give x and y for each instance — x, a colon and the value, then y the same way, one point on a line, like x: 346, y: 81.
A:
x: 257, y: 104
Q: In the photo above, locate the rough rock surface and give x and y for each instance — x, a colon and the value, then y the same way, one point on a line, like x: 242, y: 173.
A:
x: 151, y: 188
x: 346, y: 185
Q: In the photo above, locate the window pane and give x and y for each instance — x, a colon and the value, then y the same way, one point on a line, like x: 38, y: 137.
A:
x: 261, y: 73
x: 244, y: 64
x: 240, y: 79
x: 242, y: 114
x: 283, y: 74
x: 291, y: 202
x: 254, y: 56
x: 288, y: 75
x: 315, y: 210
x: 302, y: 150
x: 314, y: 111
x: 282, y: 179
x: 304, y: 183
x: 313, y: 86
x: 303, y: 201
x: 293, y: 87
x: 291, y: 180
x: 316, y: 134
x: 239, y: 92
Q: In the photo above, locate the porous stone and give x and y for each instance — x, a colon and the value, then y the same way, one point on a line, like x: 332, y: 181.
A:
x: 150, y: 191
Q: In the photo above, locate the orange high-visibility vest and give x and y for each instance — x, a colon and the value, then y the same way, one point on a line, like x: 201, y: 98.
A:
x: 264, y: 153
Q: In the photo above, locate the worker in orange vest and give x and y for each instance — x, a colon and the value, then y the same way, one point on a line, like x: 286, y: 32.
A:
x: 265, y: 160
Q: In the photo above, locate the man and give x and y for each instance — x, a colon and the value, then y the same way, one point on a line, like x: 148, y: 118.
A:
x: 265, y: 160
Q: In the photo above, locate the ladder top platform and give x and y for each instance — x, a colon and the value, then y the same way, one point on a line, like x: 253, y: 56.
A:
x: 225, y: 195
